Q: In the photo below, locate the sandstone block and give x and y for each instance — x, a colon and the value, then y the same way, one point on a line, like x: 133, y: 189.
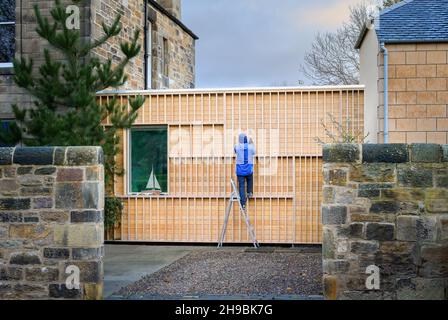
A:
x: 54, y: 216
x: 69, y: 195
x: 23, y: 258
x: 33, y: 156
x: 59, y: 156
x: 363, y: 247
x: 445, y: 153
x: 414, y: 176
x: 45, y: 171
x: 330, y: 287
x: 61, y: 291
x: 436, y: 200
x: 356, y: 230
x: 24, y: 170
x: 334, y: 215
x: 29, y: 291
x: 341, y: 153
x: 10, y: 273
x: 328, y: 243
x: 69, y: 174
x: 372, y: 190
x: 380, y: 231
x: 87, y: 253
x: 82, y: 156
x: 336, y: 266
x: 327, y: 195
x: 425, y: 152
x: 41, y: 274
x: 407, y: 228
x: 86, y: 216
x: 389, y: 153
x: 56, y: 253
x: 420, y: 289
x: 434, y: 261
x: 15, y: 204
x: 93, y: 291
x: 373, y: 172
x: 8, y: 185
x: 42, y: 203
x: 6, y: 156
x: 78, y: 235
x: 384, y: 207
x: 443, y: 228
x: 29, y: 231
x: 4, y: 232
x: 336, y: 177
x: 403, y: 194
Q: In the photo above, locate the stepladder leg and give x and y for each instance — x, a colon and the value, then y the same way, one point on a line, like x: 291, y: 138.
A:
x: 226, y: 220
x: 251, y: 230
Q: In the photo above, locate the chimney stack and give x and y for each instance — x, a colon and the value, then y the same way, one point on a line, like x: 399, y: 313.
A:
x: 173, y: 7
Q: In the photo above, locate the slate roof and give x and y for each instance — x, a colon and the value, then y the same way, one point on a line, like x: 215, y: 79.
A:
x: 412, y: 21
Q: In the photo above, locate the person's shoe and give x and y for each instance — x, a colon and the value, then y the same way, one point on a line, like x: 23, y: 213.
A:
x: 250, y: 195
x: 244, y: 207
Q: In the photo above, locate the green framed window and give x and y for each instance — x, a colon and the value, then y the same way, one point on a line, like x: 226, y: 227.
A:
x: 149, y: 154
x: 7, y: 32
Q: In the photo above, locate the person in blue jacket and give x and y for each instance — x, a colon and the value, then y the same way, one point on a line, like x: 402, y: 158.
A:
x: 245, y: 153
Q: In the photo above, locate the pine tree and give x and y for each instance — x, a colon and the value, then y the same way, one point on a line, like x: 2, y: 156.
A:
x: 66, y: 111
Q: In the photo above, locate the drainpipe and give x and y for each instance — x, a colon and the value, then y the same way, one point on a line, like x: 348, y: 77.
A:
x: 386, y: 91
x: 145, y: 39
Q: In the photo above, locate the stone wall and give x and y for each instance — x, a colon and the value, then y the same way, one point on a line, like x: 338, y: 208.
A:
x: 418, y: 93
x: 181, y: 54
x: 385, y: 205
x: 181, y: 46
x: 28, y: 44
x: 51, y: 217
x: 93, y: 13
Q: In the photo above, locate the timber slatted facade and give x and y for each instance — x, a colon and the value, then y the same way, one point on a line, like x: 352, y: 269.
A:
x: 202, y: 127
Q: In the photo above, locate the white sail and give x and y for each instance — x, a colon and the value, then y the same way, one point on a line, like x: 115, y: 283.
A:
x: 153, y: 184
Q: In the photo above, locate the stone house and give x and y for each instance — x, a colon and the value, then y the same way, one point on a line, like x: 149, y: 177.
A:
x: 413, y: 36
x: 166, y: 61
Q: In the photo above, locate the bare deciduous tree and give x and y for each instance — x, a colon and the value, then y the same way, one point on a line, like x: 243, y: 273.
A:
x: 333, y: 59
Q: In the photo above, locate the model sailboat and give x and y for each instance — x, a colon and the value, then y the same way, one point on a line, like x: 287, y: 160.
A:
x: 153, y: 186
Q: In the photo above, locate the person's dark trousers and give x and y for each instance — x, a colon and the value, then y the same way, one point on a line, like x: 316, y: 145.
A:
x: 242, y: 182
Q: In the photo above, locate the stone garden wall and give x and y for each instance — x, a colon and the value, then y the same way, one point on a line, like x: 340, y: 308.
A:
x: 386, y: 206
x: 51, y: 222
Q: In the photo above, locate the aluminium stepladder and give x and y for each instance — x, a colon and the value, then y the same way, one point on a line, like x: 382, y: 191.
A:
x: 235, y: 197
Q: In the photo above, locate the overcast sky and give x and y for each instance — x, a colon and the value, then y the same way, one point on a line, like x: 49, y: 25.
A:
x: 257, y: 42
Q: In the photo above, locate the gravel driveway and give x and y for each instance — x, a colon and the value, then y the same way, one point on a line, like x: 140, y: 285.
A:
x: 235, y: 271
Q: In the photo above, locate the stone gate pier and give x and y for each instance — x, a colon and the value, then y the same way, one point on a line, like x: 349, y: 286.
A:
x: 385, y: 221
x: 51, y: 223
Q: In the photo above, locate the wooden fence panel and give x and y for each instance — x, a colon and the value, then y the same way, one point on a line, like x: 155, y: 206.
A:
x: 203, y: 126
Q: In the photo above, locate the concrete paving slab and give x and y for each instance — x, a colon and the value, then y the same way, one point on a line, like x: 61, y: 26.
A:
x: 125, y: 264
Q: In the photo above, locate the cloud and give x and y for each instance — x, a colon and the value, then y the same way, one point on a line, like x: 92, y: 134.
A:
x: 257, y: 42
x: 324, y: 15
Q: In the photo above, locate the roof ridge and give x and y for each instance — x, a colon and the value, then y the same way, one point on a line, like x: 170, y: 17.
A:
x: 395, y: 6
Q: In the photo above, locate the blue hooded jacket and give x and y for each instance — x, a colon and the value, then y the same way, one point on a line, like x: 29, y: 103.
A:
x: 245, y: 153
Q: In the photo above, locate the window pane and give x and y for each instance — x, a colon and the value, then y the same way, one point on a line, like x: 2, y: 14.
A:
x: 5, y: 127
x: 7, y: 11
x: 149, y: 151
x: 7, y: 43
